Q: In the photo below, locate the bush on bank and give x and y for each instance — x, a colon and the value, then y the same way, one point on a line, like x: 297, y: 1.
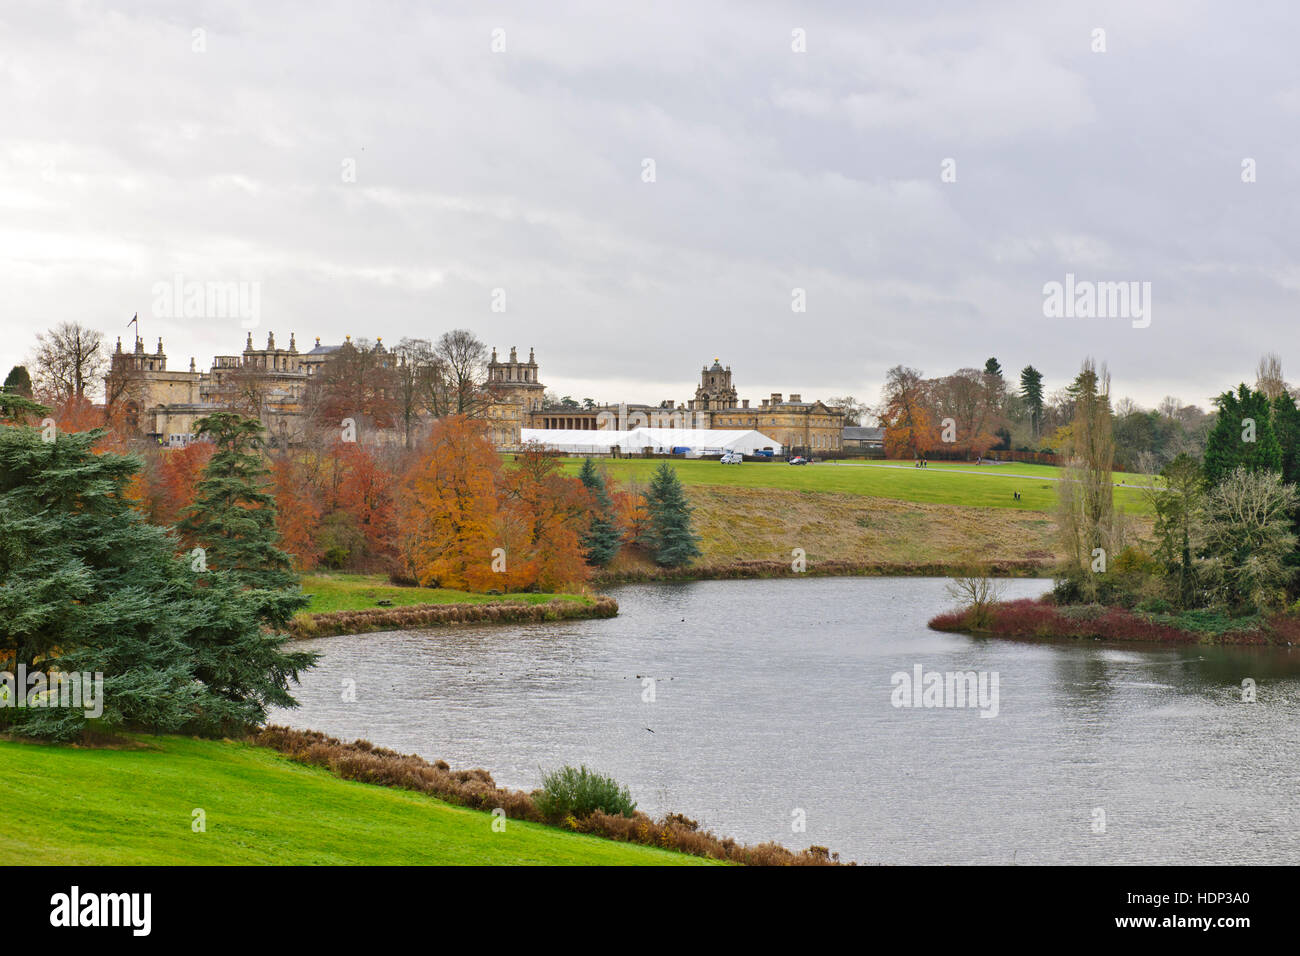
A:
x: 1040, y: 618
x: 366, y: 763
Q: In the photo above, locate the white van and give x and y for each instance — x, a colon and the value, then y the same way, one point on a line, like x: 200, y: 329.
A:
x: 732, y: 458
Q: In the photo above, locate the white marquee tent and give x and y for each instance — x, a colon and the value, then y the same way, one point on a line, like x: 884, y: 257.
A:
x: 701, y: 441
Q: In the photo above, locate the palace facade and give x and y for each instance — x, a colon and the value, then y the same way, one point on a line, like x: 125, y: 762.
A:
x: 163, y: 404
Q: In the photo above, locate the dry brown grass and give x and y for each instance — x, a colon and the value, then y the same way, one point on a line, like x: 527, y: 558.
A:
x: 752, y: 524
x: 363, y: 761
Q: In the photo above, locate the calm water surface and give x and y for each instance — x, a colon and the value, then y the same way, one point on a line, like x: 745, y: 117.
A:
x: 776, y: 695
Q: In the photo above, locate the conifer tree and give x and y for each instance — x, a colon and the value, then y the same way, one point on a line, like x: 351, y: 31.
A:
x: 233, y: 515
x: 19, y: 381
x: 1286, y: 425
x: 670, y: 534
x: 86, y: 586
x: 1243, y: 436
x: 601, y: 542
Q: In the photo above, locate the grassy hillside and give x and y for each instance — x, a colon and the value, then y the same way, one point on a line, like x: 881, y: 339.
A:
x: 359, y: 592
x: 746, y: 524
x: 966, y: 485
x: 65, y: 805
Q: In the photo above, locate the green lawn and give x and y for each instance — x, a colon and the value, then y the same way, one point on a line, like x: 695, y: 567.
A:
x: 67, y: 805
x: 358, y: 592
x: 987, y: 486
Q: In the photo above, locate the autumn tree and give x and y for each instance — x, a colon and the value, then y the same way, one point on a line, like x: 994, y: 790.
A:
x: 357, y: 382
x: 175, y: 477
x: 447, y: 509
x: 298, y: 503
x: 969, y: 400
x: 908, y: 422
x: 556, y: 511
x: 365, y: 490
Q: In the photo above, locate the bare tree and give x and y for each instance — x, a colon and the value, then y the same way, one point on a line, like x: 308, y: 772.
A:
x: 464, y: 359
x: 1085, y: 494
x: 1268, y: 376
x: 854, y: 410
x: 419, y: 384
x: 70, y: 360
x: 975, y: 588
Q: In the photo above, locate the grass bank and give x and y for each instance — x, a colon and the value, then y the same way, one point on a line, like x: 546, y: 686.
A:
x: 753, y: 532
x: 362, y: 603
x: 953, y: 483
x: 1040, y: 618
x: 358, y: 592
x: 134, y: 805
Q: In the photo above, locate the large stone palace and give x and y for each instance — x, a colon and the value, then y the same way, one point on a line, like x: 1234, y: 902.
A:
x: 163, y: 404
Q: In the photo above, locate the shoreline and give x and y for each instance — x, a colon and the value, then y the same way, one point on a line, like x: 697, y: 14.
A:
x: 1036, y: 619
x: 414, y: 617
x: 364, y: 762
x: 749, y: 570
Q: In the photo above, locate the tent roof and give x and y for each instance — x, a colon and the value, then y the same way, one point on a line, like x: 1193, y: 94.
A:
x: 659, y: 438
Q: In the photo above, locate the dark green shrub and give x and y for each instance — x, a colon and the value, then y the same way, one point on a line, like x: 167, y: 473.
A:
x: 579, y: 792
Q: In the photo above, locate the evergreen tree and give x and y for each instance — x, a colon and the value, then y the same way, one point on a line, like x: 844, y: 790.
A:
x: 993, y: 368
x: 601, y: 542
x: 1177, y: 499
x: 670, y: 535
x: 1286, y: 425
x: 232, y: 517
x: 19, y: 381
x: 1242, y: 437
x: 16, y: 409
x: 1031, y: 390
x: 87, y: 586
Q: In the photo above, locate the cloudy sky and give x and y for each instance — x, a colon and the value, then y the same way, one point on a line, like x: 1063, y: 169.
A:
x: 383, y: 168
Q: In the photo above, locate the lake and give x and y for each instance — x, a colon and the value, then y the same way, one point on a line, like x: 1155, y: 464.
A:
x: 755, y: 706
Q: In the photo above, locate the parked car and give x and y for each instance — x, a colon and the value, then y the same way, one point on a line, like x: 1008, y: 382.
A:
x: 762, y: 453
x: 798, y: 460
x: 732, y: 458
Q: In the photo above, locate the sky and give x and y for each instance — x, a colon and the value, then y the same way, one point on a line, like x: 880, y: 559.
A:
x: 810, y: 193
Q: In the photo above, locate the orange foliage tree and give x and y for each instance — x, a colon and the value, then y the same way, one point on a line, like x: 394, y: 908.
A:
x: 555, y: 510
x: 299, y: 511
x: 364, y: 489
x: 448, y: 515
x: 172, y: 479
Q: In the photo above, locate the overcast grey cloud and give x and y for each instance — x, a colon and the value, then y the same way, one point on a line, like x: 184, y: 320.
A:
x: 128, y: 157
